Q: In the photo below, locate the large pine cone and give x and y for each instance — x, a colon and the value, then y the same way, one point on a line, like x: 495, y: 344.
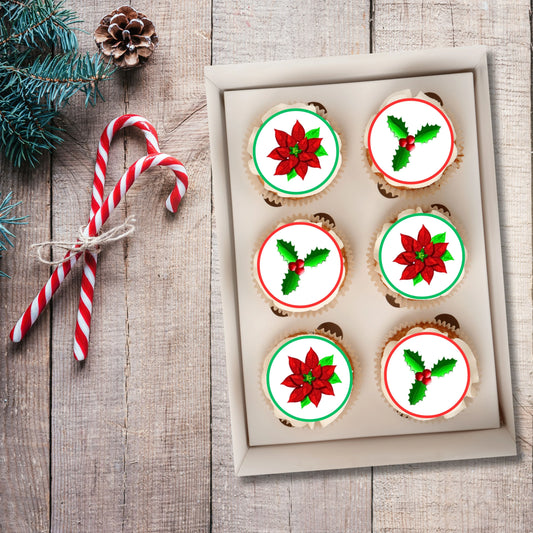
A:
x: 127, y: 36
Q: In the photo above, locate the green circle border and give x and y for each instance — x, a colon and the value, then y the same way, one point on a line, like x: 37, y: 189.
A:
x: 410, y: 296
x: 309, y: 337
x: 336, y: 156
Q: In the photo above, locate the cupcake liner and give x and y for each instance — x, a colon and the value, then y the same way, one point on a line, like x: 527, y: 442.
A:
x: 327, y: 222
x: 356, y: 383
x: 389, y: 191
x: 400, y: 331
x: 392, y: 297
x: 270, y: 197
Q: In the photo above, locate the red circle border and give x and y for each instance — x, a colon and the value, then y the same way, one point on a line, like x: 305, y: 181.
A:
x: 387, y: 365
x: 449, y: 124
x: 261, y: 278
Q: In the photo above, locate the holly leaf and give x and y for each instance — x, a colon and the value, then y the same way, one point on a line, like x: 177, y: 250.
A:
x: 447, y: 256
x: 321, y: 151
x: 335, y: 379
x: 443, y: 367
x: 326, y: 361
x: 440, y: 237
x: 397, y: 126
x: 401, y: 158
x: 417, y: 392
x: 313, y: 134
x: 414, y: 360
x: 287, y: 251
x: 290, y: 282
x: 305, y: 401
x: 291, y: 174
x: 417, y: 279
x: 426, y: 133
x: 316, y: 256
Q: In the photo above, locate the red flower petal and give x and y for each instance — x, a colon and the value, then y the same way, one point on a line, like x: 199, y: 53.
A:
x: 301, y: 169
x: 427, y: 274
x: 311, y: 359
x: 279, y: 154
x: 283, y: 168
x: 296, y: 365
x: 314, y: 144
x: 403, y: 258
x: 424, y: 236
x: 297, y: 395
x: 412, y: 271
x: 294, y: 380
x: 407, y: 242
x: 307, y: 388
x: 281, y: 137
x: 302, y: 145
x: 327, y: 371
x: 440, y: 249
x: 324, y: 387
x: 317, y: 371
x: 298, y: 132
x: 291, y: 141
x: 315, y: 396
x: 310, y: 159
x: 436, y: 263
x: 429, y: 248
x: 305, y: 369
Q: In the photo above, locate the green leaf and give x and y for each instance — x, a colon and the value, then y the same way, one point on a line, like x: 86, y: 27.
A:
x: 414, y: 360
x: 401, y: 158
x: 397, y: 126
x: 443, y: 367
x: 426, y: 133
x: 321, y: 151
x: 440, y: 237
x: 316, y: 256
x: 313, y: 134
x: 335, y: 379
x: 291, y: 174
x: 326, y: 361
x: 417, y: 279
x: 305, y: 401
x: 290, y: 282
x: 447, y: 256
x: 417, y: 392
x: 287, y: 251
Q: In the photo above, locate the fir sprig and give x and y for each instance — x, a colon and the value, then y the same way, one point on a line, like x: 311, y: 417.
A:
x: 6, y: 219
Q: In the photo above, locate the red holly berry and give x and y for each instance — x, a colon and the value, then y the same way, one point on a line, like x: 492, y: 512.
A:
x: 410, y: 147
x: 292, y: 266
x: 419, y: 376
x: 299, y: 270
x: 427, y: 373
x: 403, y: 143
x: 426, y: 381
x: 300, y: 263
x: 410, y: 139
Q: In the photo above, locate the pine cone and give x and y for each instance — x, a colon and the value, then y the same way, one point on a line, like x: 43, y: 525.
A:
x: 127, y: 36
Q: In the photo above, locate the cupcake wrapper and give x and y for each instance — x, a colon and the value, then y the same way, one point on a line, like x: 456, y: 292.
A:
x: 392, y: 297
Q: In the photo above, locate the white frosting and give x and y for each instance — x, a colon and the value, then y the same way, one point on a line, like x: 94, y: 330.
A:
x: 445, y: 395
x: 318, y: 285
x: 429, y: 160
x: 389, y: 245
x: 263, y: 141
x: 276, y: 369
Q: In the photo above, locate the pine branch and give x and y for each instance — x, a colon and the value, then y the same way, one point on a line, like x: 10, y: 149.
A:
x: 7, y: 220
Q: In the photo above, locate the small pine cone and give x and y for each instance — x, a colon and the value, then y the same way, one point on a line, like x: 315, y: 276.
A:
x: 127, y: 36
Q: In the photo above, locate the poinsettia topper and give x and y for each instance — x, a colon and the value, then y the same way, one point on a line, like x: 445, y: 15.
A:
x: 423, y: 256
x: 311, y: 379
x: 297, y: 266
x: 297, y: 151
x: 423, y: 375
x: 406, y: 143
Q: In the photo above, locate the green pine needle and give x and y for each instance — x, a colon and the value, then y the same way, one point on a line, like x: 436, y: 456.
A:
x: 6, y: 219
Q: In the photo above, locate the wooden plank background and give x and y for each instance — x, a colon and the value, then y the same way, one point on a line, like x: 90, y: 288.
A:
x: 137, y: 438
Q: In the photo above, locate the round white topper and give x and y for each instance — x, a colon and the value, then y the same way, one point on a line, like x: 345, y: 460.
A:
x: 309, y: 378
x: 296, y: 152
x: 421, y: 256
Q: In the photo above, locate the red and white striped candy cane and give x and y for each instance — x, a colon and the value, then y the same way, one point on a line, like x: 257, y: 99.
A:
x: 83, y: 321
x: 144, y: 163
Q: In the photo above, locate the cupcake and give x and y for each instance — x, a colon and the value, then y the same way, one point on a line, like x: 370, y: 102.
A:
x: 427, y: 371
x: 295, y: 152
x: 308, y: 378
x: 300, y: 266
x: 419, y: 255
x: 410, y: 142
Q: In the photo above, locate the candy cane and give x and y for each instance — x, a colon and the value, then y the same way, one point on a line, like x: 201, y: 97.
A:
x: 85, y: 305
x: 121, y: 188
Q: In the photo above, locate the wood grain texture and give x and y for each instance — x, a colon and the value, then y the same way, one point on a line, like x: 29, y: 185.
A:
x: 260, y: 31
x: 488, y: 495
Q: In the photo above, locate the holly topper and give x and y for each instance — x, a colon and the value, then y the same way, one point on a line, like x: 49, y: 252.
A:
x: 423, y: 374
x: 296, y: 266
x: 297, y: 151
x: 406, y: 141
x: 311, y: 378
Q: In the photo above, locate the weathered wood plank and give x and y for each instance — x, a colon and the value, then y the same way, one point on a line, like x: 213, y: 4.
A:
x: 167, y: 455
x: 25, y: 367
x: 262, y: 31
x: 487, y: 495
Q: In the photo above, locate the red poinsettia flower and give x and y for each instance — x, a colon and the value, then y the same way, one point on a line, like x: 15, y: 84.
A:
x: 309, y: 379
x: 295, y: 151
x: 421, y: 256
